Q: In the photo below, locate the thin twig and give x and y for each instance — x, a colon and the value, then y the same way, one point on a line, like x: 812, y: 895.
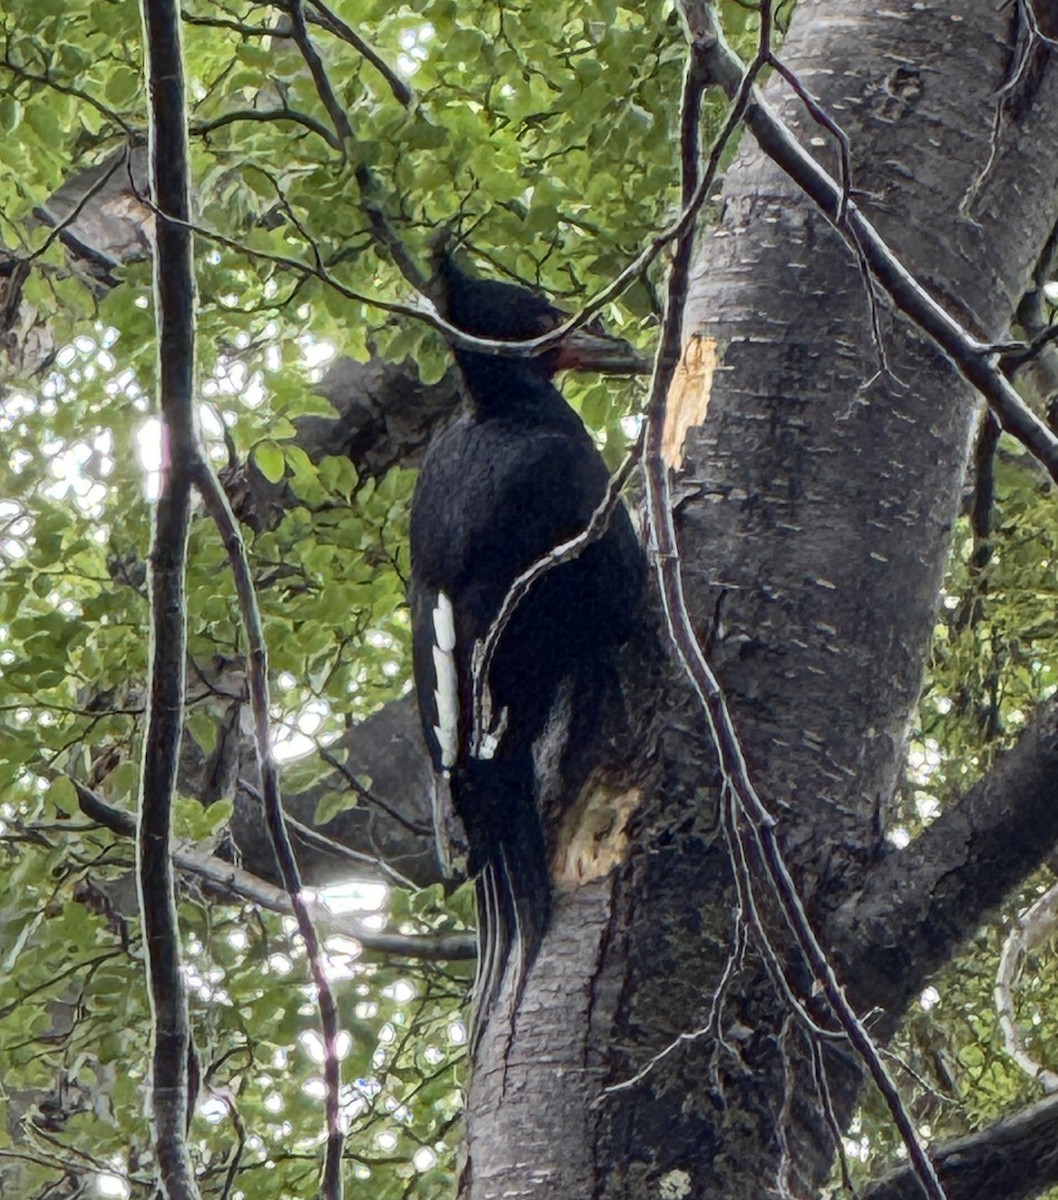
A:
x: 750, y: 911
x: 782, y: 1120
x: 759, y: 822
x: 27, y: 76
x: 318, y: 72
x: 822, y: 118
x: 203, y: 128
x: 1014, y: 357
x: 485, y: 650
x: 231, y: 1171
x: 320, y: 841
x: 380, y: 227
x: 227, y: 878
x: 365, y: 793
x: 257, y: 658
x: 59, y: 227
x: 273, y: 31
x: 820, y: 115
x: 333, y: 23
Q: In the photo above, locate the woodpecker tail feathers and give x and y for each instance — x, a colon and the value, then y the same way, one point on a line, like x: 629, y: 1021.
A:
x: 513, y: 888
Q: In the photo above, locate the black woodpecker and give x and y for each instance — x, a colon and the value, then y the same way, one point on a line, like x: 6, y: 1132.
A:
x: 508, y: 481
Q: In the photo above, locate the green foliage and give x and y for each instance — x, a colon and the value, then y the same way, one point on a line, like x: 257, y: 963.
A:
x: 993, y: 659
x: 547, y: 136
x: 74, y: 1026
x: 546, y: 133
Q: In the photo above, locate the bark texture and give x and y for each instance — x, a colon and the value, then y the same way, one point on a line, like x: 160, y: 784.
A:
x: 821, y: 473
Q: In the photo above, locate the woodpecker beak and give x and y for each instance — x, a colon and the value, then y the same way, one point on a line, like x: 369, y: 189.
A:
x: 590, y: 348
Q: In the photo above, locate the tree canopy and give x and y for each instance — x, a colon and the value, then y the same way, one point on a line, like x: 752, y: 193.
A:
x: 330, y: 148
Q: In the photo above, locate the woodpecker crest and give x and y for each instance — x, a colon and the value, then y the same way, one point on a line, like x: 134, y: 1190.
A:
x: 500, y: 488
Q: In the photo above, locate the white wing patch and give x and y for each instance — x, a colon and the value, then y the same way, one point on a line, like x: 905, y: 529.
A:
x: 446, y: 691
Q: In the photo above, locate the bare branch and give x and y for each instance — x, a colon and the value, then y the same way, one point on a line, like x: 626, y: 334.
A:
x: 174, y: 285
x: 233, y: 882
x: 330, y: 21
x: 59, y: 228
x: 268, y: 115
x: 976, y: 361
x: 1032, y: 930
x: 319, y: 74
x: 319, y: 841
x: 217, y: 503
x: 365, y: 793
x: 242, y: 27
x: 21, y: 72
x: 380, y: 227
x: 1014, y: 1158
x: 1013, y: 359
x: 920, y: 903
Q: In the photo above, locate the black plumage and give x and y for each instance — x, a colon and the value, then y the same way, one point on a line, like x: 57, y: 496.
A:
x: 504, y: 484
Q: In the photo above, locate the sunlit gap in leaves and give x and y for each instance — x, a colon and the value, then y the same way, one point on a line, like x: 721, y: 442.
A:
x: 924, y: 759
x: 114, y: 1187
x: 78, y: 470
x: 343, y: 966
x: 414, y: 44
x: 86, y: 472
x: 366, y: 1092
x: 230, y: 377
x: 298, y: 734
x: 856, y: 1146
x: 930, y: 998
x: 630, y: 425
x: 148, y: 443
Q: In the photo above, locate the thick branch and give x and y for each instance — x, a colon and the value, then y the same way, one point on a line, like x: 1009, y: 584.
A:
x: 922, y: 902
x: 174, y: 285
x: 1017, y: 1157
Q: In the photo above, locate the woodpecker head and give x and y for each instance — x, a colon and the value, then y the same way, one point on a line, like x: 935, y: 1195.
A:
x: 505, y: 312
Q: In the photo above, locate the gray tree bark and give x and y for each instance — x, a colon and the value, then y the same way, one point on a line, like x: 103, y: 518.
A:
x: 820, y: 471
x: 821, y: 481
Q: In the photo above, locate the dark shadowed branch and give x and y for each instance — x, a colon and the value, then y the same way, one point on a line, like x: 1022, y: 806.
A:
x: 174, y: 285
x: 1012, y: 1159
x: 269, y: 116
x: 919, y: 904
x: 319, y: 74
x: 334, y: 24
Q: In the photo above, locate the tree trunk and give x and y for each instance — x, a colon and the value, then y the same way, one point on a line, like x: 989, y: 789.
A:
x: 822, y: 473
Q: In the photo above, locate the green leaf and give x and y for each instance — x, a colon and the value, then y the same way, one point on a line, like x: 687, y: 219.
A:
x: 62, y: 795
x: 269, y: 460
x: 123, y: 784
x: 333, y: 804
x: 10, y: 114
x: 43, y: 119
x: 338, y: 474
